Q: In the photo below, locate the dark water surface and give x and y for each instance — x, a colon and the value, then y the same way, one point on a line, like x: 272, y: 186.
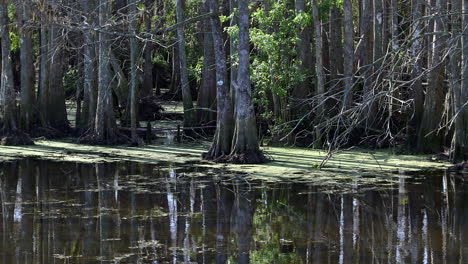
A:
x: 135, y: 213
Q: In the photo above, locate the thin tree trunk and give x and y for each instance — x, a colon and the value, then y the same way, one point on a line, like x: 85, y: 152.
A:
x: 222, y: 141
x: 245, y: 147
x: 27, y: 116
x: 133, y: 71
x: 7, y: 89
x: 348, y: 53
x: 318, y: 70
x: 430, y: 139
x: 189, y: 111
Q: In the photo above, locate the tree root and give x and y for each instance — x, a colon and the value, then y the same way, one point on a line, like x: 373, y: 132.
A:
x: 15, y: 138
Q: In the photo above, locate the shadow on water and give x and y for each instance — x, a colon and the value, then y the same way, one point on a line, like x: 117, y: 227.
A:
x: 54, y: 212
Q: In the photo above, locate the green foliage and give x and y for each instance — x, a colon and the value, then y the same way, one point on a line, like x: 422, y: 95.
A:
x: 275, y: 67
x: 70, y: 80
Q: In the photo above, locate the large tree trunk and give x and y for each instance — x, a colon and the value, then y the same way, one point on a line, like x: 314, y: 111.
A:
x: 133, y: 71
x: 105, y: 128
x: 245, y: 147
x: 430, y: 139
x: 460, y: 87
x: 56, y: 108
x: 366, y: 61
x: 221, y: 146
x: 7, y: 89
x: 336, y: 47
x: 206, y: 103
x: 43, y: 93
x: 318, y: 71
x: 89, y: 72
x: 189, y: 111
x: 27, y: 115
x: 304, y: 49
x: 417, y: 93
x: 348, y: 54
x: 148, y: 85
x: 378, y: 36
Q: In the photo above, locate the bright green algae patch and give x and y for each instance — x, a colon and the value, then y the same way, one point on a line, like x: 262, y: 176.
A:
x: 287, y: 162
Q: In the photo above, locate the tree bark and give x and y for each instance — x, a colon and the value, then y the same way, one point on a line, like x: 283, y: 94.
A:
x: 336, y: 47
x: 133, y: 71
x: 222, y: 141
x: 56, y: 108
x: 43, y: 93
x: 7, y: 89
x: 430, y: 139
x: 206, y: 102
x: 366, y: 60
x: 460, y: 87
x: 27, y: 115
x: 148, y: 85
x: 348, y: 53
x: 189, y: 111
x: 304, y: 49
x: 105, y: 128
x: 245, y: 147
x: 89, y: 71
x: 318, y: 70
x: 417, y: 93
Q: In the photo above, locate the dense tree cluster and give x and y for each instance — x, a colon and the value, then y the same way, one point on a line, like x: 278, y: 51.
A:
x: 327, y: 73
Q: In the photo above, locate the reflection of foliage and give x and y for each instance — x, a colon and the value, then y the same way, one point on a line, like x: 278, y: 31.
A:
x: 274, y: 221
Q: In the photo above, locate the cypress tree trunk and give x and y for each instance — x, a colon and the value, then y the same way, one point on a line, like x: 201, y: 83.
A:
x: 147, y: 88
x: 105, y: 128
x: 206, y: 103
x: 378, y: 35
x: 7, y: 89
x: 89, y: 71
x: 318, y: 70
x: 348, y: 53
x: 27, y: 116
x: 417, y: 92
x: 430, y: 139
x: 43, y: 93
x: 56, y: 108
x: 336, y: 48
x: 221, y: 145
x: 245, y: 147
x: 304, y: 49
x: 133, y: 72
x: 366, y: 60
x: 460, y: 87
x: 189, y: 111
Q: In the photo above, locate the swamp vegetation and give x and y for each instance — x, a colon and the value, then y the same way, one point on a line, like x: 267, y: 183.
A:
x: 234, y: 131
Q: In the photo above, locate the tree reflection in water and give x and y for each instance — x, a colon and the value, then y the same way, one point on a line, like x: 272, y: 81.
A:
x: 168, y: 213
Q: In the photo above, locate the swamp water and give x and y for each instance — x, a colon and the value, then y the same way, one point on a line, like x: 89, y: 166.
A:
x: 58, y: 212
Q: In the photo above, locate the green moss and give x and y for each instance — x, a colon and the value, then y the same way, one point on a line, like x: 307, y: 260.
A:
x: 288, y: 163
